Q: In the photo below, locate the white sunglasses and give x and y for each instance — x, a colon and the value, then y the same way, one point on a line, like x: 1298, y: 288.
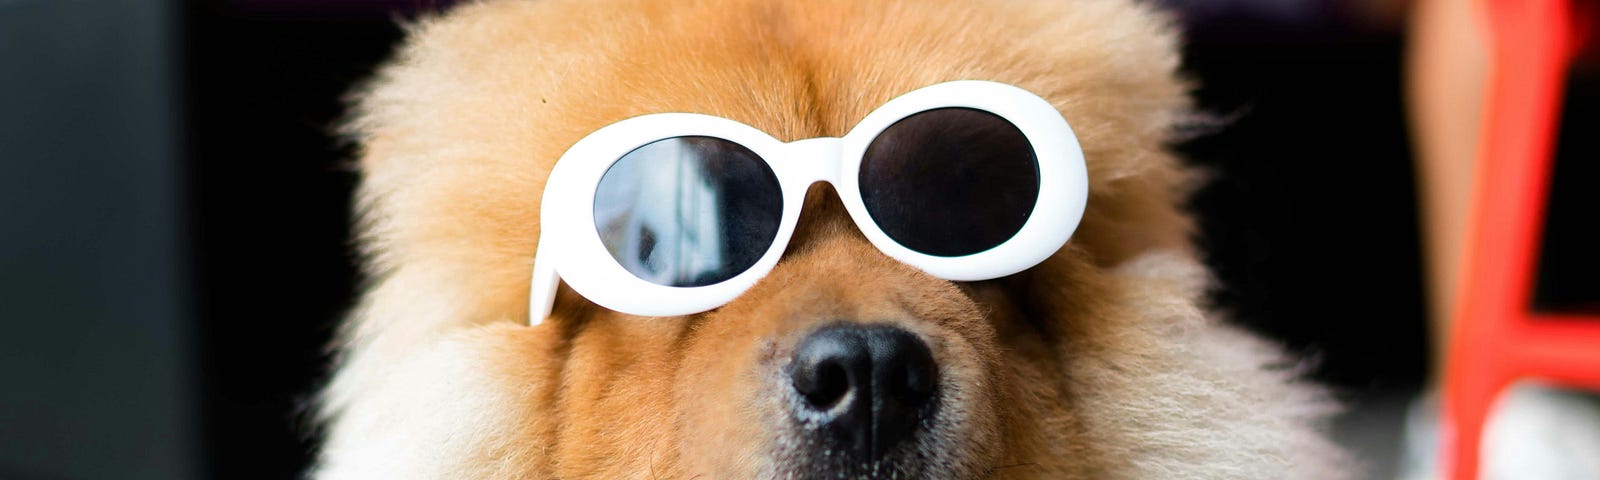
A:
x: 678, y: 213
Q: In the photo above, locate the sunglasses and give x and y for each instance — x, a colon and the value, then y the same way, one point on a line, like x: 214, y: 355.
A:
x: 678, y: 213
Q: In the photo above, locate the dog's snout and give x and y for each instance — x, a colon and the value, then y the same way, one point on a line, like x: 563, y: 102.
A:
x: 866, y: 387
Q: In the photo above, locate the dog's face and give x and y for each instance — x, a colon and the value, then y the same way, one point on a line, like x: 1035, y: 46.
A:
x: 841, y: 363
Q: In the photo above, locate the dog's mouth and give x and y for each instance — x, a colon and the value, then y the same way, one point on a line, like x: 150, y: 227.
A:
x: 822, y: 466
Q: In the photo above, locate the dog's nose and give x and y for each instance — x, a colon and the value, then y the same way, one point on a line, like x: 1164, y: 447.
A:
x: 866, y: 387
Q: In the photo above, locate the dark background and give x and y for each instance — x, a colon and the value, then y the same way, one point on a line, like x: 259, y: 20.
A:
x: 174, y: 215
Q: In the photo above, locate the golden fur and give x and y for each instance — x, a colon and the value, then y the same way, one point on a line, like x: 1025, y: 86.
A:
x: 1099, y: 363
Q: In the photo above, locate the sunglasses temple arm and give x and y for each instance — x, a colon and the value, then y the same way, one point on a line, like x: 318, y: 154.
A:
x: 542, y: 296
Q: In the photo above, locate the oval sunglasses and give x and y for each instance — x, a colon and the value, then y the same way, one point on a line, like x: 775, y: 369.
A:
x: 678, y: 213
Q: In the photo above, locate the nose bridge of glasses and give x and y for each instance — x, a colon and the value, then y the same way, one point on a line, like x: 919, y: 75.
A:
x: 815, y: 159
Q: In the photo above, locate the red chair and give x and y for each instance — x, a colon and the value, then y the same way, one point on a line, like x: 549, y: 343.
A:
x: 1497, y: 338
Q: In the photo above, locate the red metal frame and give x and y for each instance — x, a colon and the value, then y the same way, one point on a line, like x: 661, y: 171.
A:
x: 1497, y: 339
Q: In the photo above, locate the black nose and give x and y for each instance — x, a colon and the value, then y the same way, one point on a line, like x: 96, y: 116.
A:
x: 866, y: 387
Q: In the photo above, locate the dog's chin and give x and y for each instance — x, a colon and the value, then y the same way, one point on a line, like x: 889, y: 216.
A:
x: 809, y: 454
x: 820, y: 468
x: 910, y: 460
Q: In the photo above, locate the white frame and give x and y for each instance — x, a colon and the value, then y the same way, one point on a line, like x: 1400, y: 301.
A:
x: 572, y: 250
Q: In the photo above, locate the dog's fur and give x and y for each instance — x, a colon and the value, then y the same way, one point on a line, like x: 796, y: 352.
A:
x: 1102, y: 362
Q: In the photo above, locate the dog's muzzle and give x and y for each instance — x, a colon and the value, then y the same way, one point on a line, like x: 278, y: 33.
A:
x: 862, y: 393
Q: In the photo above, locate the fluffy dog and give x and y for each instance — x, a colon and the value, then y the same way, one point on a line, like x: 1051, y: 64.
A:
x: 1101, y: 362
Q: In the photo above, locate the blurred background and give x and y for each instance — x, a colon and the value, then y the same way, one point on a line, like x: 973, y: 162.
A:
x: 174, y: 217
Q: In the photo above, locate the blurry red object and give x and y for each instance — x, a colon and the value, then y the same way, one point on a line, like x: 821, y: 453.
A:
x: 1497, y: 337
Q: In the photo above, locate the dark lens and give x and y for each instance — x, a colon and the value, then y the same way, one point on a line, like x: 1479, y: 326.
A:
x: 688, y: 211
x: 951, y: 181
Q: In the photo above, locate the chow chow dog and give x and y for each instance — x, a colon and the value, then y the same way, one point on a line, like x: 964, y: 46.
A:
x: 1100, y: 362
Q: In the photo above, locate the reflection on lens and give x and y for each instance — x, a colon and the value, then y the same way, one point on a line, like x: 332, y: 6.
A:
x: 688, y: 211
x: 950, y: 182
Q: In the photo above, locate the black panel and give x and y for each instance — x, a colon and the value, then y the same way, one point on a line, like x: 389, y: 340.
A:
x: 1311, y: 221
x: 1569, y: 261
x: 274, y: 263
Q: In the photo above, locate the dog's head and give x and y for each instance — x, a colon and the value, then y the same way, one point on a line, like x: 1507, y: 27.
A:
x: 841, y: 363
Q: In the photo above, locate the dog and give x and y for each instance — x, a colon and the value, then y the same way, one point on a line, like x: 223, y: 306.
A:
x: 1101, y: 362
